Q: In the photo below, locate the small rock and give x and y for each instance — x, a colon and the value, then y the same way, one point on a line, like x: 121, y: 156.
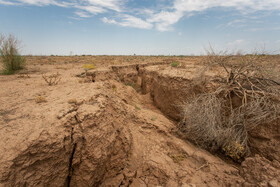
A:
x: 273, y: 183
x: 60, y: 115
x: 138, y: 183
x: 188, y: 185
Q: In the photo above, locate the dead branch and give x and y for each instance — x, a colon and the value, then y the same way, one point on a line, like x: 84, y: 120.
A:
x: 52, y: 79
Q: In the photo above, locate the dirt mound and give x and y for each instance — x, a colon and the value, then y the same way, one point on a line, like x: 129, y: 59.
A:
x: 114, y: 134
x: 260, y: 170
x: 99, y: 141
x: 265, y: 140
x: 85, y: 145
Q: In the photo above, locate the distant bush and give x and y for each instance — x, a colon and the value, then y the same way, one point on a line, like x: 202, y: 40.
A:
x: 88, y: 67
x: 9, y: 52
x: 175, y: 64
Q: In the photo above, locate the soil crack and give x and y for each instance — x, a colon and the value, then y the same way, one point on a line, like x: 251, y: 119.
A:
x: 70, y: 168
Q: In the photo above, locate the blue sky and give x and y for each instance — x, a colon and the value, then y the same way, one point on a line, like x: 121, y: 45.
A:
x: 143, y: 27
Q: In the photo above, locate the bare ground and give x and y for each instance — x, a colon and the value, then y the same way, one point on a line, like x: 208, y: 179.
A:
x: 115, y: 127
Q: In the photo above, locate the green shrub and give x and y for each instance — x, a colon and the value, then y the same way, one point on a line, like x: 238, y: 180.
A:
x: 10, y: 57
x: 175, y: 64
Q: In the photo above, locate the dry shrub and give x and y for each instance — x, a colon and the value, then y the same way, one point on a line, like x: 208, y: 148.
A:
x: 72, y: 101
x: 40, y: 99
x: 222, y: 119
x: 23, y: 75
x: 52, y: 79
x: 202, y: 121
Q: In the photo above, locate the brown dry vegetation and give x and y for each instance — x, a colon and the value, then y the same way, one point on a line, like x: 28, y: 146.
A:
x: 245, y: 98
x: 117, y: 125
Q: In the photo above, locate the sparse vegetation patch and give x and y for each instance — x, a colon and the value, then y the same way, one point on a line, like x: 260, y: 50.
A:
x: 10, y: 57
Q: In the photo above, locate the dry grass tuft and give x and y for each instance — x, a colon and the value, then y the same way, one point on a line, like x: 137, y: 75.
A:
x: 177, y: 158
x: 72, y: 101
x: 40, y: 99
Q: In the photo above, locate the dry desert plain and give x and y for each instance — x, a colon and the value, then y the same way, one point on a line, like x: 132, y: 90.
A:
x: 116, y: 125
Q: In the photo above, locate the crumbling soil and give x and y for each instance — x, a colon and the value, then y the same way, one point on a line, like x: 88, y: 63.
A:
x: 121, y: 131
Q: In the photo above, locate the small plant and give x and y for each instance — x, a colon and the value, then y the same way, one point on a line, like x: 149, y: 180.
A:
x: 175, y: 64
x: 72, y: 101
x: 177, y: 158
x: 88, y: 67
x: 153, y: 118
x: 24, y: 75
x: 114, y: 87
x: 9, y: 52
x: 137, y: 108
x: 133, y: 86
x: 40, y: 99
x: 52, y: 79
x: 234, y: 150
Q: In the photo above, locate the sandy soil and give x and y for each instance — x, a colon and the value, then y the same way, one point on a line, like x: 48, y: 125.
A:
x: 115, y: 126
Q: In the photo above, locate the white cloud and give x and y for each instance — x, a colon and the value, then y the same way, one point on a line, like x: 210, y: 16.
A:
x: 237, y: 21
x: 109, y: 4
x: 82, y: 14
x: 106, y: 20
x: 92, y: 9
x: 143, y: 11
x: 7, y: 2
x: 162, y: 17
x: 37, y: 2
x: 165, y: 19
x: 200, y: 5
x: 129, y: 21
x: 236, y: 42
